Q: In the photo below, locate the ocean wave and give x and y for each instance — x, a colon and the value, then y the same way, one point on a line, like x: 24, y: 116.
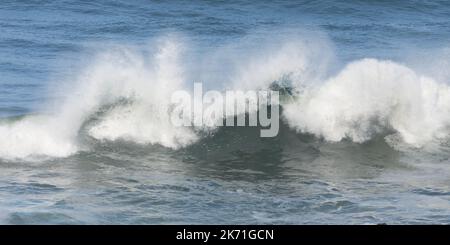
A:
x: 364, y: 99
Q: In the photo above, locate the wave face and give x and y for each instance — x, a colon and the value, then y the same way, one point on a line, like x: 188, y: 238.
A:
x: 125, y: 94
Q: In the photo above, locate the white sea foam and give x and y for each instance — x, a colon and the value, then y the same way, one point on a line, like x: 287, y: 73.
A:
x: 369, y: 96
x: 35, y: 135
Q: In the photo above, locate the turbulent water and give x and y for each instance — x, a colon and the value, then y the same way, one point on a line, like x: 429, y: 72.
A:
x: 85, y: 132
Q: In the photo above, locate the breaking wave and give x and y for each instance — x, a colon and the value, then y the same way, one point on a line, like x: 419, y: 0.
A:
x: 125, y: 94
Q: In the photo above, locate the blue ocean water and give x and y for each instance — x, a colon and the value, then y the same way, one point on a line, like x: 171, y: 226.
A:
x: 64, y: 158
